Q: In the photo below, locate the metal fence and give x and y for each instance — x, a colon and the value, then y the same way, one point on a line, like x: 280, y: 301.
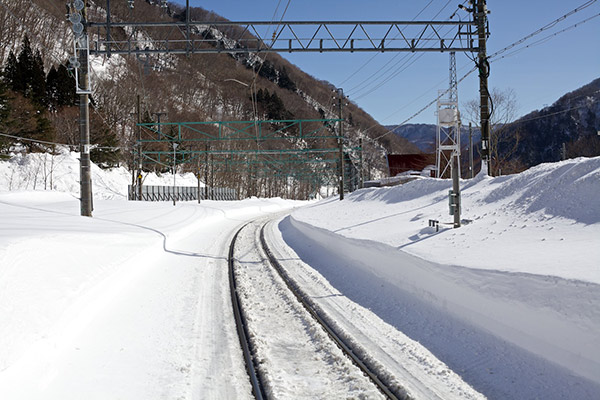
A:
x: 180, y: 193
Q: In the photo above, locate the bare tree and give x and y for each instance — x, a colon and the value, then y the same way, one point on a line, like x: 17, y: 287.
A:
x: 504, y: 136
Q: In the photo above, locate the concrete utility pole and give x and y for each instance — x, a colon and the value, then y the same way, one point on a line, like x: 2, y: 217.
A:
x: 471, y: 172
x: 83, y: 86
x: 480, y: 16
x: 455, y: 196
x: 206, y: 147
x: 340, y: 95
x: 198, y: 178
x: 139, y: 146
x: 361, y: 175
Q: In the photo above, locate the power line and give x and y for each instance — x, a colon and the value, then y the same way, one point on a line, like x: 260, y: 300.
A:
x: 54, y: 143
x: 376, y: 54
x: 424, y: 108
x: 412, y: 58
x: 512, y: 45
x: 548, y: 37
x: 543, y: 28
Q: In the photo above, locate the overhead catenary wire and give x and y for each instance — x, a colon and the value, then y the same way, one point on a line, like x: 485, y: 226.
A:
x: 494, y: 56
x: 377, y: 54
x: 543, y: 28
x: 355, y: 90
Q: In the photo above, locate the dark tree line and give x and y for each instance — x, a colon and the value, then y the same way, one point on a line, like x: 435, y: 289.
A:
x: 35, y: 105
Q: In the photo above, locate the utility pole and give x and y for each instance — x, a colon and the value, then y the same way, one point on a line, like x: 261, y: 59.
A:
x: 158, y: 115
x: 206, y: 148
x: 139, y: 148
x: 361, y: 176
x: 480, y: 12
x: 340, y: 95
x: 455, y: 195
x: 79, y: 18
x: 471, y: 150
x: 198, y: 178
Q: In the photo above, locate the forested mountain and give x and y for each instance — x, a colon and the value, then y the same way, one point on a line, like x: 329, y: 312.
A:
x: 36, y: 42
x: 566, y: 129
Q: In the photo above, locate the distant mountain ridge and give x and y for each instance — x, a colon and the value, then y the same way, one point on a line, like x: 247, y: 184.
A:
x: 424, y: 135
x: 568, y: 128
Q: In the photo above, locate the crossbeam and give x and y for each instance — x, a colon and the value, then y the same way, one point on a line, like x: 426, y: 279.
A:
x: 288, y: 36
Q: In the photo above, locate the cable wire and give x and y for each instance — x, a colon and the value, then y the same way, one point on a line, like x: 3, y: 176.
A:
x: 512, y: 45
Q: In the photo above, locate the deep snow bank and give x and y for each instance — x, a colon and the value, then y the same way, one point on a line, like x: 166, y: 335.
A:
x: 543, y: 221
x: 511, y: 298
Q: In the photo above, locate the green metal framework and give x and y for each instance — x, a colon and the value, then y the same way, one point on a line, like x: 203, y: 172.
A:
x: 304, y: 150
x: 260, y: 130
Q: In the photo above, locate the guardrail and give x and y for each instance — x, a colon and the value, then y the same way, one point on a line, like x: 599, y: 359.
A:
x: 179, y: 193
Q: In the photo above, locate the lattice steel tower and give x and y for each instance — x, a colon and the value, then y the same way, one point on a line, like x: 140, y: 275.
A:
x: 448, y: 126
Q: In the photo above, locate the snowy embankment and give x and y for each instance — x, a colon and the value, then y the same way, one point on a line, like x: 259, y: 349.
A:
x: 60, y: 172
x: 510, y: 300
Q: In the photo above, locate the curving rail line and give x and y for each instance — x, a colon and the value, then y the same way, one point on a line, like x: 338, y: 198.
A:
x: 242, y: 327
x: 247, y: 347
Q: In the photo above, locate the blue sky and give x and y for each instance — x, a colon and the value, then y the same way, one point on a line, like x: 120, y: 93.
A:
x: 539, y: 75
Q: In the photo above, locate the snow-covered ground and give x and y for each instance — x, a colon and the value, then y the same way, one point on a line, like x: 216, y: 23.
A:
x: 510, y: 300
x: 133, y: 303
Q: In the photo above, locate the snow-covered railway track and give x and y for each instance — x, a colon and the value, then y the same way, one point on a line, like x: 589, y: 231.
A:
x: 290, y: 350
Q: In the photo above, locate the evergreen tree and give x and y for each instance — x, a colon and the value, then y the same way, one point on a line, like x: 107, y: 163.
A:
x: 9, y: 74
x: 52, y: 88
x: 38, y: 80
x: 106, y: 152
x: 60, y: 88
x: 67, y: 93
x: 24, y: 72
x: 24, y: 119
x: 285, y: 82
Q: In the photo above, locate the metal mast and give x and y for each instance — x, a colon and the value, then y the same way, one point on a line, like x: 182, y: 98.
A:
x: 448, y: 126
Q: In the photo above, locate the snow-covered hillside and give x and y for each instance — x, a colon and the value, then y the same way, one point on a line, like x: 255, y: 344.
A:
x: 60, y: 172
x: 132, y: 303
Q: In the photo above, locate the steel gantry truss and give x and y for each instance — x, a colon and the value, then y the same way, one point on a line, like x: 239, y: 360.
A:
x: 106, y: 37
x: 297, y: 36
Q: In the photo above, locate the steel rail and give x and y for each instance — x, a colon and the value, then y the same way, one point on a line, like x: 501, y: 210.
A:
x: 330, y: 331
x: 242, y: 328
